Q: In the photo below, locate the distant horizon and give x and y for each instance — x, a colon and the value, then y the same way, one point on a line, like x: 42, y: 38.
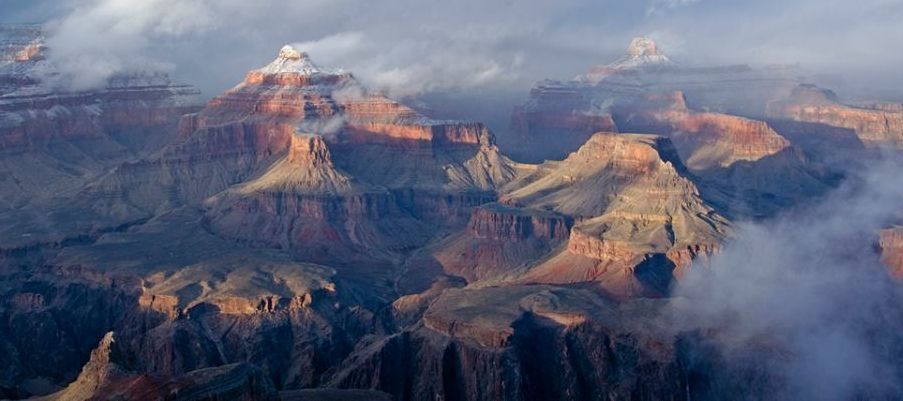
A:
x: 466, y: 46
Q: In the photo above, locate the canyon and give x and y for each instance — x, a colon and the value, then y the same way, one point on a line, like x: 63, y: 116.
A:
x: 303, y: 237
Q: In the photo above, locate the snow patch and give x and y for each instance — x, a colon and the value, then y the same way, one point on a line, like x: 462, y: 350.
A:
x: 293, y: 61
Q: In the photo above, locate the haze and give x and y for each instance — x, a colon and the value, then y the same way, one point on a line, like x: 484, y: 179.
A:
x: 412, y: 47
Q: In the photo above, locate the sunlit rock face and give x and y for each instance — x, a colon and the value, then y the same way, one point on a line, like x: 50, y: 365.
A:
x: 293, y: 92
x: 619, y: 213
x: 302, y: 237
x: 715, y: 117
x: 705, y: 140
x: 315, y: 158
x: 876, y: 124
x: 633, y: 208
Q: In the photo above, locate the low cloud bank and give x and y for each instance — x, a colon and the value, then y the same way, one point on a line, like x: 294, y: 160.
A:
x: 416, y: 46
x: 805, y: 298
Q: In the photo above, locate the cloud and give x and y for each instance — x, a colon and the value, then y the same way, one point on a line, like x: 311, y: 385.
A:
x: 808, y: 296
x: 106, y: 37
x: 410, y: 66
x: 322, y: 127
x: 657, y: 6
x: 411, y: 46
x: 100, y: 38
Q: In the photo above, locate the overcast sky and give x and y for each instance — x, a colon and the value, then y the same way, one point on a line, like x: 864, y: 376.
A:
x: 422, y: 46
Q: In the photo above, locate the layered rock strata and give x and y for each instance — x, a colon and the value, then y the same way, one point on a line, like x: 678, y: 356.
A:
x: 647, y: 225
x: 875, y: 125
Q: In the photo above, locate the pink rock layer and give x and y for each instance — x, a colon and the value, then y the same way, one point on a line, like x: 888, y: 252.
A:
x: 891, y: 244
x: 705, y: 139
x: 499, y: 223
x: 875, y: 124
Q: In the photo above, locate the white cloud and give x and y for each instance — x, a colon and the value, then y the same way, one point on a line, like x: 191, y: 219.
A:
x: 411, y: 66
x: 810, y: 286
x: 423, y: 45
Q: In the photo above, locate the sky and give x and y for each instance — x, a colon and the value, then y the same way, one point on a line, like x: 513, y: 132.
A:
x: 425, y: 47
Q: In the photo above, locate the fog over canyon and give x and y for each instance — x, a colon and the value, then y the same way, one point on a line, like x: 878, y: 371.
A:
x: 468, y: 200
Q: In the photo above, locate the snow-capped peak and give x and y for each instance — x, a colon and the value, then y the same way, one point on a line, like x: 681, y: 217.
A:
x: 642, y: 47
x: 293, y: 61
x: 642, y: 52
x: 290, y: 53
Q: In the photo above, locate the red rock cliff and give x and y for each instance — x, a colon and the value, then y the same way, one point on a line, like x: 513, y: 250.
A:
x: 875, y: 125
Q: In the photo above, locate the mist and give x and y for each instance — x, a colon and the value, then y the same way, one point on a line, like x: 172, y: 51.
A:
x: 807, y: 295
x: 410, y: 48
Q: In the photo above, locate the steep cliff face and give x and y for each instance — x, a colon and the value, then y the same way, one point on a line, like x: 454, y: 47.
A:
x: 65, y: 310
x: 875, y: 124
x: 303, y: 158
x: 373, y: 118
x: 891, y: 245
x: 704, y: 140
x: 104, y: 378
x: 499, y: 239
x: 743, y: 167
x: 633, y: 237
x: 519, y: 343
x: 498, y: 222
x: 713, y: 117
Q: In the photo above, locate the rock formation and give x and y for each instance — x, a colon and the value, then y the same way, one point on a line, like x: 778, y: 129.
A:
x: 642, y: 54
x: 559, y: 116
x: 648, y: 217
x: 21, y: 47
x: 554, y: 122
x: 302, y: 237
x: 104, y: 378
x: 520, y: 343
x: 709, y: 114
x: 875, y: 125
x: 304, y: 158
x: 499, y: 239
x: 891, y: 245
x: 618, y: 208
x: 704, y: 140
x: 54, y: 142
